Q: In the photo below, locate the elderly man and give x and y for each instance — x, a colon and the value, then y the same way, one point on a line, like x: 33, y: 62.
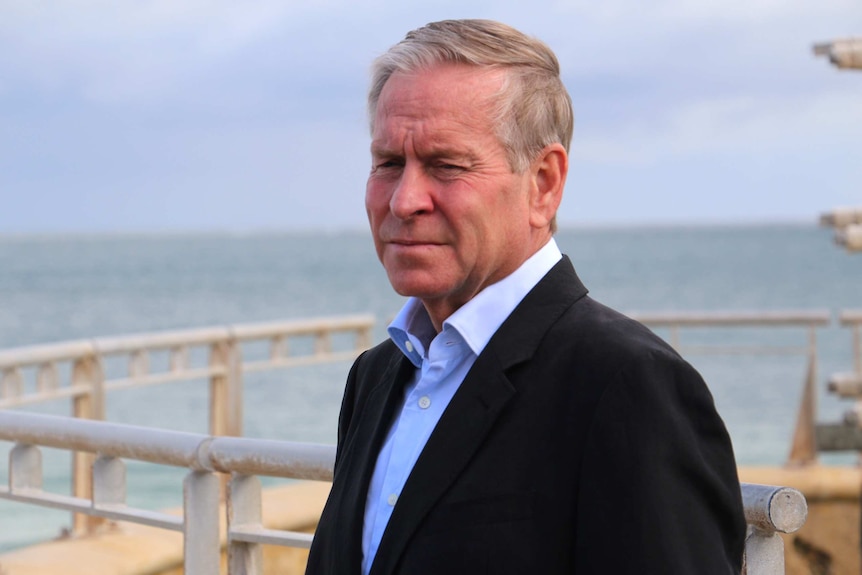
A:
x: 511, y: 424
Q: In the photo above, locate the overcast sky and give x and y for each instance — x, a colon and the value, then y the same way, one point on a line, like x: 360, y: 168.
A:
x: 180, y: 115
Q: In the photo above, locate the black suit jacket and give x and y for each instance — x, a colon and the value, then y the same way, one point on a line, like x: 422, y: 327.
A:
x: 579, y: 442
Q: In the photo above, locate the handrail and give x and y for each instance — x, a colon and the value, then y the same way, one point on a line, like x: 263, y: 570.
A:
x: 32, y: 374
x: 768, y: 510
x: 771, y: 508
x: 736, y: 318
x: 195, y: 451
x: 36, y: 355
x: 674, y: 321
x: 88, y: 383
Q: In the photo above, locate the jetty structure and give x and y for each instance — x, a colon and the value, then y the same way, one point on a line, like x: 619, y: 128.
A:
x: 844, y: 54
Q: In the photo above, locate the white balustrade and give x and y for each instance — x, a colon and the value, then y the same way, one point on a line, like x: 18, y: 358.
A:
x: 88, y: 384
x: 768, y: 510
x: 34, y: 374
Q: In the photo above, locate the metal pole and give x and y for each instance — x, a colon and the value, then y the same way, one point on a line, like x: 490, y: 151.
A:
x: 244, y: 507
x: 201, y: 545
x: 86, y: 372
x: 226, y: 402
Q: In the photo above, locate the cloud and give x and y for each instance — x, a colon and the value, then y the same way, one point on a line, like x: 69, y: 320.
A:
x: 670, y: 14
x: 186, y: 103
x: 734, y: 126
x: 140, y: 51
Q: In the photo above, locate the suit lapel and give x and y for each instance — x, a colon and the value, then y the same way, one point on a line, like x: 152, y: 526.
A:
x: 481, y: 398
x: 375, y: 416
x: 459, y: 433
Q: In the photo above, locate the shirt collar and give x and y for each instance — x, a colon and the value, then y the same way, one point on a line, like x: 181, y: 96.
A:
x: 412, y: 331
x: 478, y: 319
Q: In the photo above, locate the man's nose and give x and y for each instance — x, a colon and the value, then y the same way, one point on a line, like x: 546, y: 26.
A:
x: 412, y: 194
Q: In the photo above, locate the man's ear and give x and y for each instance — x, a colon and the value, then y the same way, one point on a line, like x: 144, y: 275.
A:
x: 549, y: 172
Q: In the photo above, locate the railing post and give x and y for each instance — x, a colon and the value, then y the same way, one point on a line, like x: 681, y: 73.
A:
x: 11, y: 383
x: 201, y: 546
x: 109, y: 482
x: 322, y: 342
x: 764, y: 553
x: 25, y: 467
x: 244, y: 507
x: 769, y: 510
x: 226, y: 398
x: 363, y: 339
x: 86, y: 372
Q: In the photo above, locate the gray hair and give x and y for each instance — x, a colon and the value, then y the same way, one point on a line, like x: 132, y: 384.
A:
x: 533, y: 108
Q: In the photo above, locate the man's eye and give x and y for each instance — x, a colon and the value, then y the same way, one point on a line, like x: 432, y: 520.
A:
x: 386, y: 164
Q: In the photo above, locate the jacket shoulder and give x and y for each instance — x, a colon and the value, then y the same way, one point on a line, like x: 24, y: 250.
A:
x: 367, y: 372
x: 607, y: 335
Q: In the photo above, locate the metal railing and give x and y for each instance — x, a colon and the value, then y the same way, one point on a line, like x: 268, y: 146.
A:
x: 290, y: 344
x: 768, y: 510
x: 31, y: 375
x: 204, y: 456
x: 676, y: 322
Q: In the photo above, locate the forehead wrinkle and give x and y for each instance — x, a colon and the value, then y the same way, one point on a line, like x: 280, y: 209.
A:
x: 431, y: 134
x: 443, y: 140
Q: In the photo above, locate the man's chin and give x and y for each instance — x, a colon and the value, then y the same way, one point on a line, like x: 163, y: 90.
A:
x: 420, y: 285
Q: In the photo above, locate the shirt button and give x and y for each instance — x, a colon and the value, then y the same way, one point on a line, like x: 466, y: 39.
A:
x: 409, y: 346
x: 392, y: 499
x: 424, y: 402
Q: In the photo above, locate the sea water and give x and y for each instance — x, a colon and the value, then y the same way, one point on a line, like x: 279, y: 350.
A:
x: 60, y: 288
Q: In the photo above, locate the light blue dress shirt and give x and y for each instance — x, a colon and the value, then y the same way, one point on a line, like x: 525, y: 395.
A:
x: 442, y: 361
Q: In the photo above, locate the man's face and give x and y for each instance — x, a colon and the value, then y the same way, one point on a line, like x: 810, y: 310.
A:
x: 447, y: 214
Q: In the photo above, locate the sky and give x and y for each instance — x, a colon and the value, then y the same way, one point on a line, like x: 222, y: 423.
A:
x: 223, y: 116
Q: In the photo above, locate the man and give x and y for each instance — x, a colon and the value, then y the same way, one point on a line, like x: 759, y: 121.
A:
x: 511, y: 424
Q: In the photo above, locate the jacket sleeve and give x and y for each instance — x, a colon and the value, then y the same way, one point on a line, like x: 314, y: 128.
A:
x: 348, y: 404
x: 659, y: 491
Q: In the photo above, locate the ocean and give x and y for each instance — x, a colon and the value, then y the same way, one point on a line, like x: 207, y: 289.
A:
x: 56, y: 288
